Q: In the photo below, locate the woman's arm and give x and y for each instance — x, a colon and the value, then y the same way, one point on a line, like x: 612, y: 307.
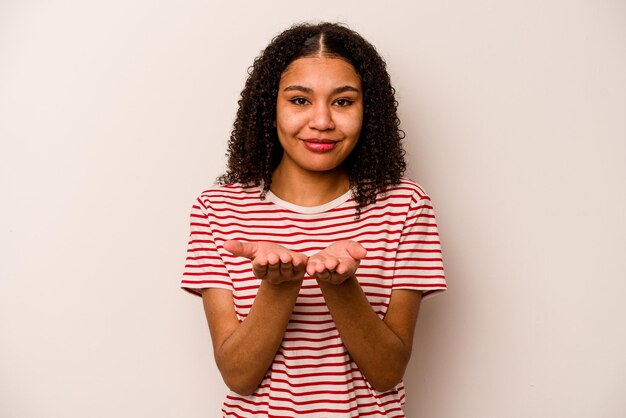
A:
x: 245, y: 350
x: 380, y: 348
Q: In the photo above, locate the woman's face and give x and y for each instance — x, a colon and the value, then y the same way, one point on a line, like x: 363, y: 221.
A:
x: 319, y: 113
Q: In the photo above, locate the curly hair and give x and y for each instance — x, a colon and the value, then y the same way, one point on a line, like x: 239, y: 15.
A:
x: 254, y: 152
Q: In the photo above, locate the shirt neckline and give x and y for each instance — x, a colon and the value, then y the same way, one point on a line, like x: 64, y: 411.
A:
x: 308, y: 209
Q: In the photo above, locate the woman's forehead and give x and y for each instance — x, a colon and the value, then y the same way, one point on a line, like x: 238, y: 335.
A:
x: 320, y: 68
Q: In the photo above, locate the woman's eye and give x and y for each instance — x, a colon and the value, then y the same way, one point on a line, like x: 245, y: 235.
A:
x: 343, y: 102
x: 300, y: 101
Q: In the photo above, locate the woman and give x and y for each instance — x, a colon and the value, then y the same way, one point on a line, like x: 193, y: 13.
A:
x: 313, y: 253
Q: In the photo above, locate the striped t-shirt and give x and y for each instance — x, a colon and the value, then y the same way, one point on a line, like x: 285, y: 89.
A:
x: 312, y: 374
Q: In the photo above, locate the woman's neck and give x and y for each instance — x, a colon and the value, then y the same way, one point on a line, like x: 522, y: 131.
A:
x: 309, y: 189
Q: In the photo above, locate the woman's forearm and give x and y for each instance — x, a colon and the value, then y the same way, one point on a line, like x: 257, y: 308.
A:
x: 380, y: 353
x: 248, y: 348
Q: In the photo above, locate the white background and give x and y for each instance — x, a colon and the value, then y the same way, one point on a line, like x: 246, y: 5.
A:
x: 114, y: 116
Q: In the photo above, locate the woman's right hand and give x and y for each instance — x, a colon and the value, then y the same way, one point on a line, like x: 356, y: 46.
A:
x: 270, y: 262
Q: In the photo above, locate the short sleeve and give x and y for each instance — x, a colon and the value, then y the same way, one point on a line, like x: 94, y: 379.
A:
x: 419, y: 262
x: 204, y: 267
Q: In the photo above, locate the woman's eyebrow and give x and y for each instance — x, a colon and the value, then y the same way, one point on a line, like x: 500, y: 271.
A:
x: 299, y: 88
x: 310, y: 90
x: 346, y: 88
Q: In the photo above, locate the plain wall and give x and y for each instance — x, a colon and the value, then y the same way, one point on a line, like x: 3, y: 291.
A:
x: 115, y: 115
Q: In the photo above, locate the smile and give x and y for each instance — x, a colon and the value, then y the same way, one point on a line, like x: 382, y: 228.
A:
x: 317, y: 145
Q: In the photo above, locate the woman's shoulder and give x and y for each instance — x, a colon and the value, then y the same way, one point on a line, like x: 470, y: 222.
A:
x: 407, y: 186
x: 218, y: 193
x: 231, y: 188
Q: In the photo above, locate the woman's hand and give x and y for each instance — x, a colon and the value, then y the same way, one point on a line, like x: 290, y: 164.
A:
x: 270, y: 262
x: 337, y: 262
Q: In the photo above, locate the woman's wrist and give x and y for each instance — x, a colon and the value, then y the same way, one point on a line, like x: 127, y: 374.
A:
x: 284, y: 286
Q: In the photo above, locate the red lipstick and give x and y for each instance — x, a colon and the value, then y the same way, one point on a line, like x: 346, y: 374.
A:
x: 319, y: 145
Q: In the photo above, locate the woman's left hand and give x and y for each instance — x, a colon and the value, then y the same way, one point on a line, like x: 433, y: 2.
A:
x: 337, y: 262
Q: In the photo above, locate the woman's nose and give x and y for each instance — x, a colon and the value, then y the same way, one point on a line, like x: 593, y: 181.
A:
x: 321, y: 118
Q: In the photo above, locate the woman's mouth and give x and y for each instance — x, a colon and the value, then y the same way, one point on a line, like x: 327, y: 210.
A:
x: 316, y: 145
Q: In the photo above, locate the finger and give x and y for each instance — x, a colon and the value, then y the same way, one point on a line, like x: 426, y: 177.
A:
x: 273, y: 267
x: 324, y: 275
x: 320, y: 267
x: 241, y: 248
x: 273, y: 264
x: 343, y: 267
x: 310, y: 265
x: 285, y: 257
x: 259, y: 270
x: 273, y: 258
x: 356, y: 250
x: 299, y: 261
x: 299, y: 270
x: 331, y: 263
x: 314, y: 266
x: 310, y: 270
x: 286, y: 269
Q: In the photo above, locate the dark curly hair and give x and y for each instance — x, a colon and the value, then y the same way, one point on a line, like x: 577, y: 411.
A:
x: 254, y: 152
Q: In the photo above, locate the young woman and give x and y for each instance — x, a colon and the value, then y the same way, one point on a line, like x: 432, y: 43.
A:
x: 313, y: 253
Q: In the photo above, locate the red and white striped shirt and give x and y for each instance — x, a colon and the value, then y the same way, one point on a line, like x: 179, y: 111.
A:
x: 312, y: 374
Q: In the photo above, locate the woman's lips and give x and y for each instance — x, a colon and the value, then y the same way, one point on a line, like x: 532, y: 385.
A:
x: 319, y: 145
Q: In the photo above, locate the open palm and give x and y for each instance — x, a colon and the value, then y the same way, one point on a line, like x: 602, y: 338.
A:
x: 271, y: 262
x: 337, y: 262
